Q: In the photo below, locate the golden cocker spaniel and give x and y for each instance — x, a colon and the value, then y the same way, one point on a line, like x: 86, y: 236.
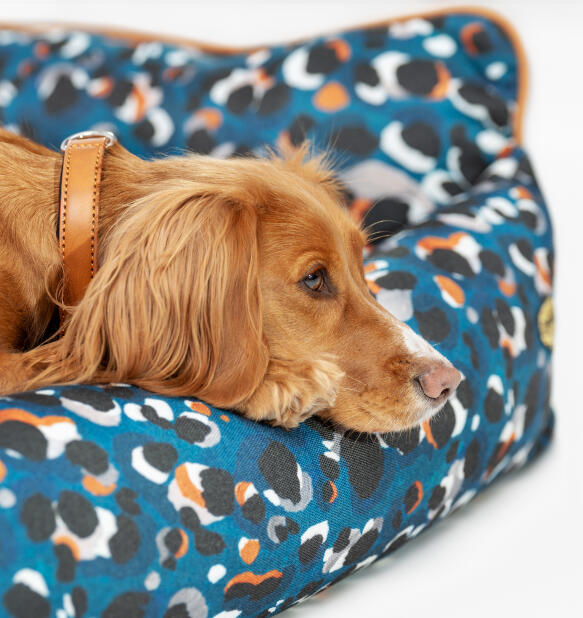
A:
x: 237, y: 281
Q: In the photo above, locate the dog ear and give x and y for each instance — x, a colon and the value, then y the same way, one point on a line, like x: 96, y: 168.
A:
x: 176, y: 306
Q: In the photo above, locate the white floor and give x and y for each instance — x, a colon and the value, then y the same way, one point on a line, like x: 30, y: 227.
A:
x: 517, y: 550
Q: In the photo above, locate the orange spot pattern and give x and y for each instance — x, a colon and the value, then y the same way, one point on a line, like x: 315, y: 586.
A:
x: 508, y: 289
x: 429, y: 434
x: 334, y: 492
x: 15, y: 414
x: 502, y: 450
x: 544, y: 274
x: 419, y: 487
x: 240, y: 489
x: 430, y: 243
x: 187, y: 488
x: 141, y: 103
x: 342, y: 49
x: 197, y: 406
x: 249, y: 551
x: 93, y: 486
x: 106, y: 86
x: 183, y: 544
x: 248, y: 577
x: 212, y: 118
x: 451, y: 288
x: 467, y: 37
x: 41, y: 50
x: 70, y: 543
x: 523, y: 193
x: 331, y: 97
x: 373, y: 286
x: 443, y: 76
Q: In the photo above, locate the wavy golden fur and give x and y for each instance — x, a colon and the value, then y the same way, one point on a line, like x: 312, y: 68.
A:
x: 206, y: 288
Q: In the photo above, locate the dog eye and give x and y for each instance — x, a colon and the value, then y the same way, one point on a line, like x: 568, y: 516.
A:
x: 315, y: 281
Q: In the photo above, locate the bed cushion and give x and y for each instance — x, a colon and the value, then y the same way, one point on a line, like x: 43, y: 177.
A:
x: 117, y: 502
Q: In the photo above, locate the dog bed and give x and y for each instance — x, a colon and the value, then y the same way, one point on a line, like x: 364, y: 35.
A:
x: 117, y: 502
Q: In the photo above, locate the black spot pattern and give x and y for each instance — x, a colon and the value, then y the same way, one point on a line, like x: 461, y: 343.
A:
x: 493, y: 406
x: 64, y: 95
x: 404, y: 441
x: 126, y: 541
x: 254, y: 592
x: 329, y: 466
x: 471, y: 162
x: 206, y: 542
x: 437, y: 496
x: 160, y: 455
x: 77, y: 513
x: 397, y: 520
x: 322, y: 59
x: 357, y: 140
x: 88, y: 455
x: 472, y: 459
x: 283, y: 531
x: 342, y: 540
x: 240, y: 99
x: 452, y: 451
x: 126, y: 499
x: 298, y: 130
x: 274, y: 99
x: 39, y: 399
x: 279, y: 467
x: 442, y: 425
x: 362, y: 546
x: 218, y: 491
x: 201, y: 142
x: 433, y: 324
x: 450, y: 261
x: 418, y: 76
x: 309, y: 549
x: 191, y: 430
x: 130, y: 604
x: 478, y: 95
x: 411, y: 497
x: 80, y: 601
x: 365, y: 463
x: 38, y: 516
x: 254, y: 509
x: 366, y: 74
x: 22, y: 602
x: 66, y: 563
x: 24, y: 439
x: 397, y: 280
x: 97, y: 399
x: 490, y: 327
x: 422, y: 137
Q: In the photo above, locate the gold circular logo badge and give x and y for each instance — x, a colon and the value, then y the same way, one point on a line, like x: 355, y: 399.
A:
x: 546, y: 322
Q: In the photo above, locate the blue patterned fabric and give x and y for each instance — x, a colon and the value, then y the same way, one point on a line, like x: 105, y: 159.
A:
x: 117, y: 502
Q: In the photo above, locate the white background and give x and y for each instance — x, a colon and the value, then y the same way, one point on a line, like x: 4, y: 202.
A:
x: 517, y: 549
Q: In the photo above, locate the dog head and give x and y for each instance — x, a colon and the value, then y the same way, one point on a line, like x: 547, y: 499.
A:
x: 241, y: 282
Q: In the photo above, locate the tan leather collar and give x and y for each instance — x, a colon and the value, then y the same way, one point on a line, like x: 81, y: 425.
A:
x: 79, y: 210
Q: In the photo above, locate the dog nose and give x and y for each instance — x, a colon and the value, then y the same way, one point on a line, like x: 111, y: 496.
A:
x: 440, y: 381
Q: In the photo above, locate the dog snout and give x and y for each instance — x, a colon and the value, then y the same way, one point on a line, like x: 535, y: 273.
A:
x: 439, y: 381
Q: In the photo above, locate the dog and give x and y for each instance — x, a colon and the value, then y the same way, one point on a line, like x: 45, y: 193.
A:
x: 236, y: 281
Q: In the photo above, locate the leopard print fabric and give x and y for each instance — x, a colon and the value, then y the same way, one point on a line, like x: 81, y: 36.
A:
x: 120, y: 503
